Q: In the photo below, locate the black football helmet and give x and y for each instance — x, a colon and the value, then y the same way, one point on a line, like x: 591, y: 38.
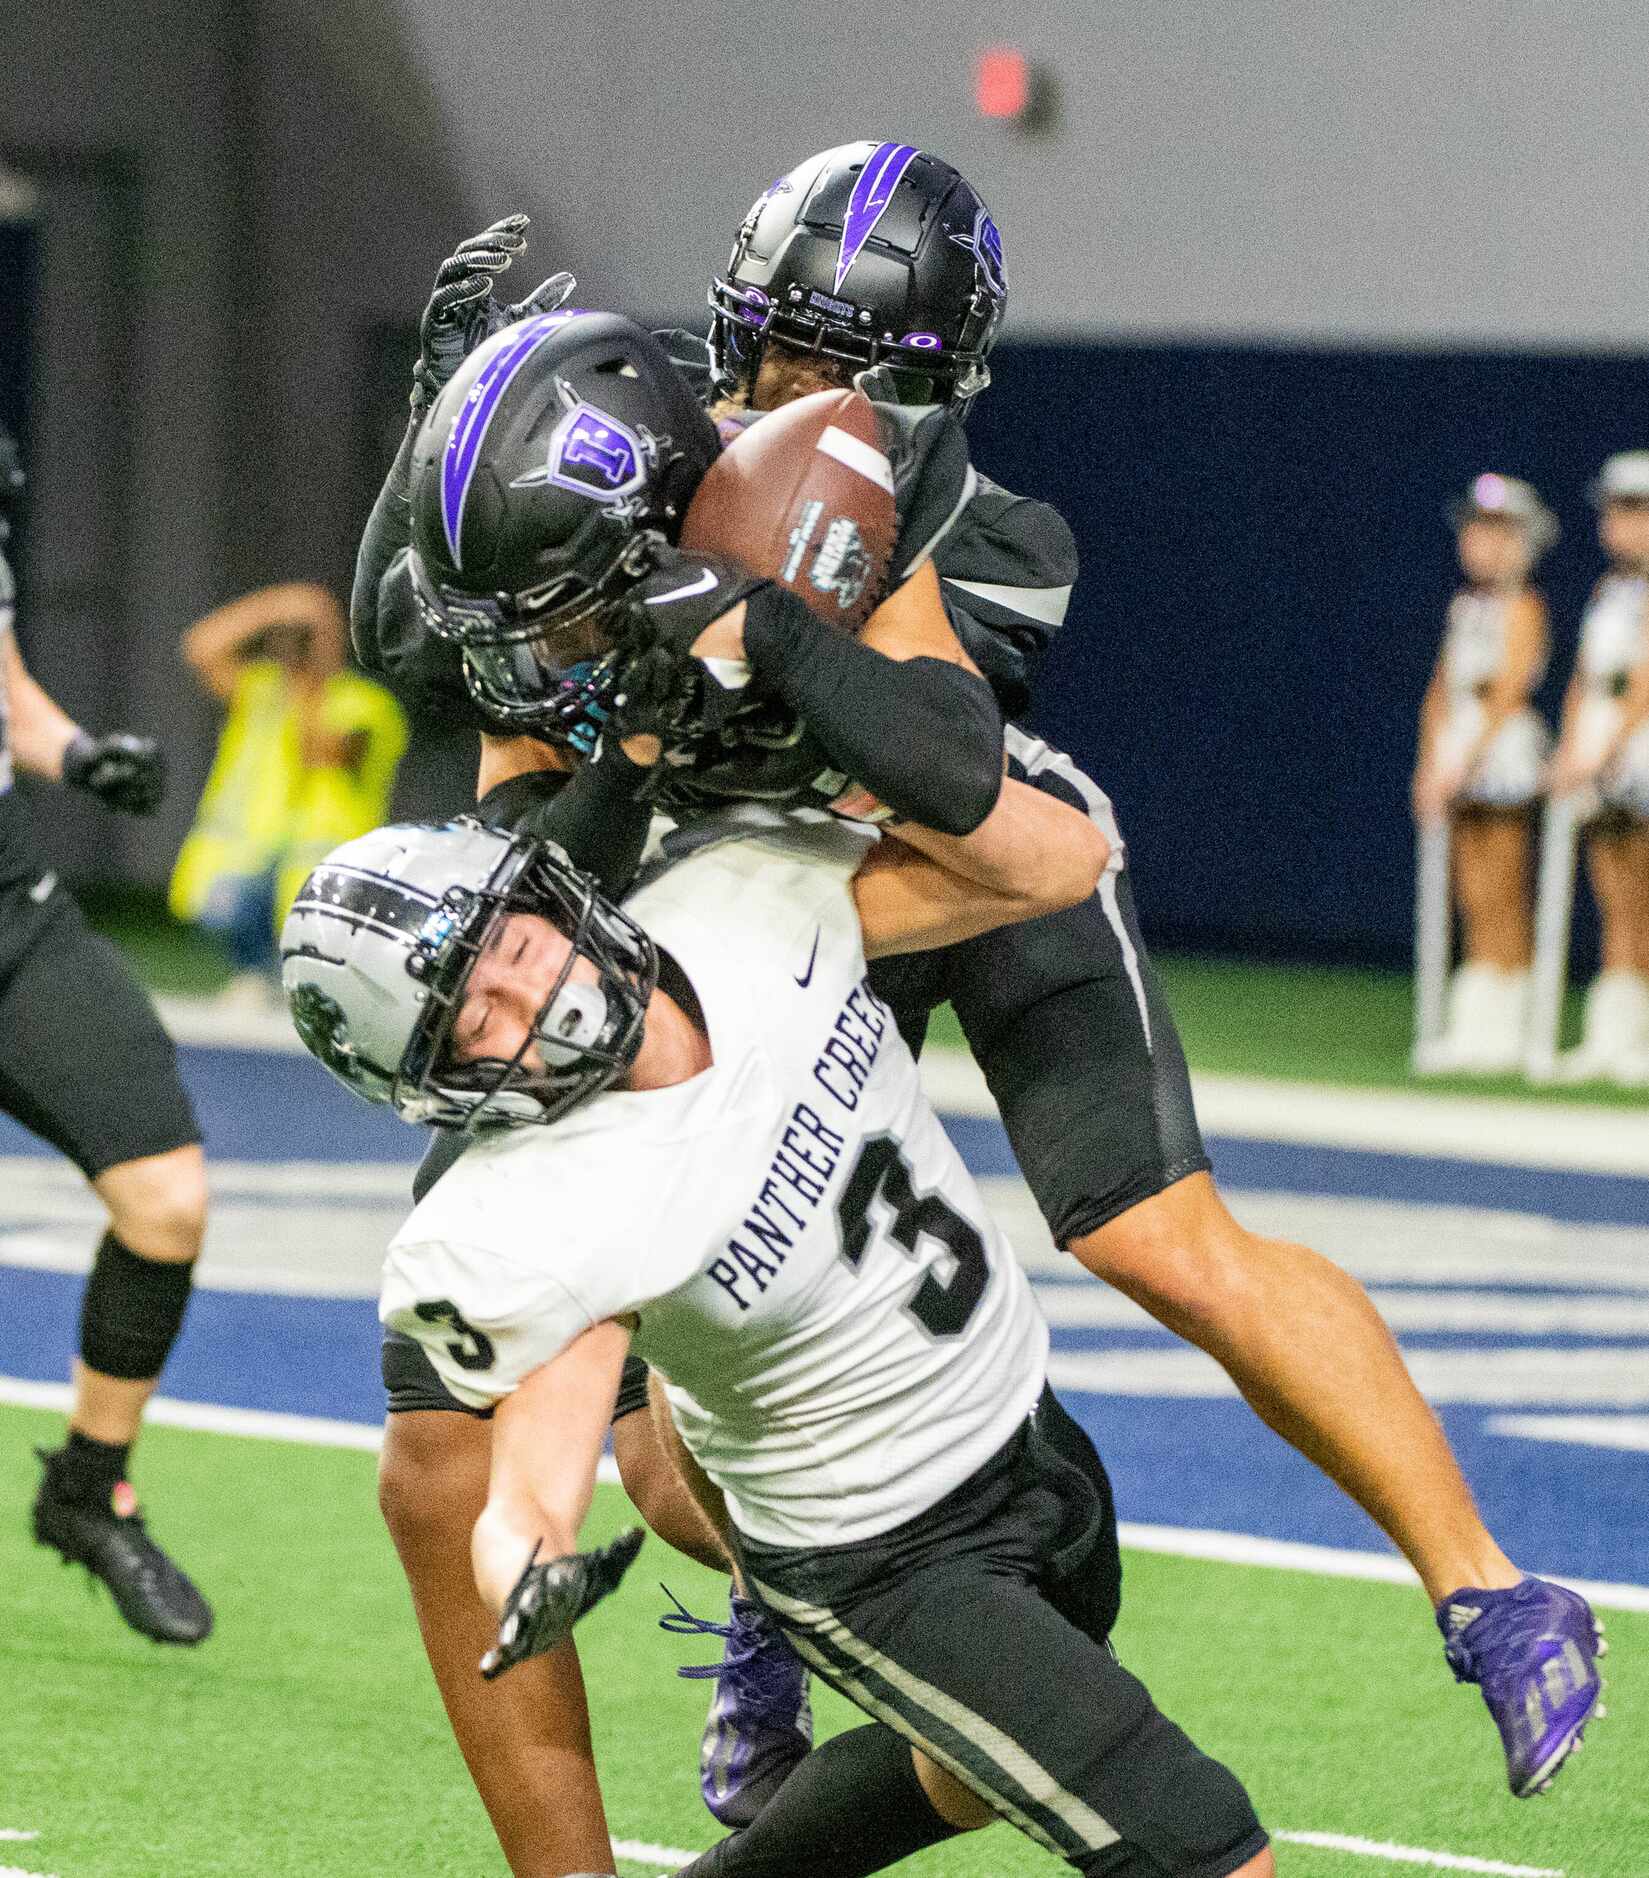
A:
x: 874, y: 253
x: 559, y: 452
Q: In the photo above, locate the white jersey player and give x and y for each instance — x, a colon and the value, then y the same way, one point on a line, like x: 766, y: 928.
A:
x: 1482, y: 755
x: 830, y: 1378
x: 769, y: 1208
x: 1603, y: 757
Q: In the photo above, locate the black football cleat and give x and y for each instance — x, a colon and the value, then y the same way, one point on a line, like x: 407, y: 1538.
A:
x: 110, y: 1539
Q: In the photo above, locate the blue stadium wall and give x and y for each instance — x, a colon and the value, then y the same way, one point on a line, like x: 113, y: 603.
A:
x: 1265, y: 568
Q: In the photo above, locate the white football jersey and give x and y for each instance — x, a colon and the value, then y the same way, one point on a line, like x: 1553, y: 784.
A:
x: 843, y: 1333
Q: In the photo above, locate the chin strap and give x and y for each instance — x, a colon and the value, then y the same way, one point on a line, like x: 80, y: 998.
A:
x: 548, y: 1599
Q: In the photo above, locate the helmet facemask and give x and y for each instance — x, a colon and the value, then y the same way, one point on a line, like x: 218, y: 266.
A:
x: 872, y: 254
x: 543, y: 662
x: 586, y: 1035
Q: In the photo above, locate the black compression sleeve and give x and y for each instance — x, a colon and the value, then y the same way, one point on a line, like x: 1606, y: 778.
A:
x: 923, y: 736
x: 388, y: 531
x: 593, y: 814
x: 853, y: 1806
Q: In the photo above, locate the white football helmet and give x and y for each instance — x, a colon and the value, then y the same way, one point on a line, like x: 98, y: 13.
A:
x: 377, y: 950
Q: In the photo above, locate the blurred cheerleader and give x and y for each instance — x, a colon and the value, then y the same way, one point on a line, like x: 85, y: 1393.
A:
x: 1482, y: 752
x: 1603, y: 757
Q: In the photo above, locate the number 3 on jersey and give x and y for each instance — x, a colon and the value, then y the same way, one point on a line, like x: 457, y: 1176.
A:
x: 882, y: 1174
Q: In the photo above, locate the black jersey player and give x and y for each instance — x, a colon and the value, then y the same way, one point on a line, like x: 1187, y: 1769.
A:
x: 1064, y: 1017
x: 86, y: 1066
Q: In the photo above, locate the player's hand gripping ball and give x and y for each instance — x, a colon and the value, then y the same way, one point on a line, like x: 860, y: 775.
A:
x: 127, y: 773
x: 801, y: 499
x: 548, y: 1599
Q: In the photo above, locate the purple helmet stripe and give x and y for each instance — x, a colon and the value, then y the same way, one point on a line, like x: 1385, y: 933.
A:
x: 469, y: 427
x: 871, y: 195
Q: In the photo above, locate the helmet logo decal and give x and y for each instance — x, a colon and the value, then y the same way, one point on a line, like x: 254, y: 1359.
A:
x: 469, y: 428
x: 984, y: 243
x: 872, y: 193
x: 593, y: 453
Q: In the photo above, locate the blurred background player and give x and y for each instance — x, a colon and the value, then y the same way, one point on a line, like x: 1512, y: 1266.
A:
x: 1603, y: 747
x: 1483, y: 748
x: 86, y: 1066
x: 306, y: 759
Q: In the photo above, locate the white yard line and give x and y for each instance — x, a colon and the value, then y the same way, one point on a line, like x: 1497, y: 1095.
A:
x: 672, y: 1858
x: 1229, y: 1548
x: 1566, y: 1136
x: 1627, y: 1432
x: 1329, y: 1561
x: 1513, y: 1375
x: 1415, y: 1855
x: 16, y: 1836
x: 17, y: 1871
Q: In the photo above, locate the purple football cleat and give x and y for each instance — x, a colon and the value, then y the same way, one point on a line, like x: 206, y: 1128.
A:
x: 1533, y: 1651
x: 760, y: 1723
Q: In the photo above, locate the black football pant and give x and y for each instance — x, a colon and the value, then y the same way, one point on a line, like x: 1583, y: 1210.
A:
x: 978, y: 1631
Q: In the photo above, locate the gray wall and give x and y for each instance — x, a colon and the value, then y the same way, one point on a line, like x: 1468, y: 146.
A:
x: 233, y: 195
x: 239, y: 191
x: 1379, y: 170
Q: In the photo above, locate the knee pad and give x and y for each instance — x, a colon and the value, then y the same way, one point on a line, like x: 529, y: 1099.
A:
x: 132, y: 1311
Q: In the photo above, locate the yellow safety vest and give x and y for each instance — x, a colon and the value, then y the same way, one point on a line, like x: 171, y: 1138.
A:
x: 262, y: 809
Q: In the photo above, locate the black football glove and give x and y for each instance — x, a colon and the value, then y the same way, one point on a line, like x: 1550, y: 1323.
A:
x: 462, y: 311
x: 663, y: 690
x: 126, y: 773
x: 549, y: 1599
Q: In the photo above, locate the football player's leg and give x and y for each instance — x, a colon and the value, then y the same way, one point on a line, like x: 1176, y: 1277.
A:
x: 760, y: 1723
x: 863, y: 1801
x: 89, y: 1068
x: 974, y: 1632
x: 525, y: 1737
x: 1492, y: 870
x: 694, y: 1522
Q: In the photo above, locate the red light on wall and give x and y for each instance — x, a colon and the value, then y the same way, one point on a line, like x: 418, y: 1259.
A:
x: 1002, y: 84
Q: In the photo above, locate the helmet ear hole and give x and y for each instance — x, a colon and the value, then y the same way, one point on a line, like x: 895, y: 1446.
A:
x: 572, y: 1024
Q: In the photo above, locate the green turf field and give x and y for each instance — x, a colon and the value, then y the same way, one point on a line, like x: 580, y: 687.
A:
x: 305, y: 1739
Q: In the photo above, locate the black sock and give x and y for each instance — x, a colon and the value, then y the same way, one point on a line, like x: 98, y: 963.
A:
x: 851, y: 1807
x: 86, y: 1470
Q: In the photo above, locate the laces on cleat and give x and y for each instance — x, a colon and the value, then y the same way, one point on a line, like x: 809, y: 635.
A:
x: 740, y: 1646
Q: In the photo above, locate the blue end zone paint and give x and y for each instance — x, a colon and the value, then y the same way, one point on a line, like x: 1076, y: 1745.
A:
x: 258, y: 1106
x: 1174, y: 1462
x: 1291, y: 1167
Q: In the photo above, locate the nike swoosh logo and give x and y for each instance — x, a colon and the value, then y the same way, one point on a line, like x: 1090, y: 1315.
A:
x: 703, y: 584
x: 804, y: 979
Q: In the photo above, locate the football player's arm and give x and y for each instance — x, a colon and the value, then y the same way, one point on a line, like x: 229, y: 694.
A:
x: 547, y: 1437
x: 124, y: 772
x: 900, y: 708
x: 1007, y: 573
x: 1032, y: 855
x: 590, y: 809
x: 41, y: 730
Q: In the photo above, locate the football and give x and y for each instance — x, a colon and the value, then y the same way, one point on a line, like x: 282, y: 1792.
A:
x: 804, y: 496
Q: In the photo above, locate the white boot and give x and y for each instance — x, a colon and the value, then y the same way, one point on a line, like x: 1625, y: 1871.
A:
x: 1614, y: 1034
x: 1484, y: 1031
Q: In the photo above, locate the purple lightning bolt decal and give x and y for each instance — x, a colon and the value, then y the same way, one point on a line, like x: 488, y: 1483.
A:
x: 868, y: 203
x: 476, y: 413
